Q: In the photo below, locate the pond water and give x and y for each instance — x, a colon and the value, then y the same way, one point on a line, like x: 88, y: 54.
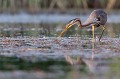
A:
x: 50, y: 18
x: 30, y: 48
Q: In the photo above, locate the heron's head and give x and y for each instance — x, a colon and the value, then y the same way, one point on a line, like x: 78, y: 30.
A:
x: 74, y: 21
x: 71, y: 23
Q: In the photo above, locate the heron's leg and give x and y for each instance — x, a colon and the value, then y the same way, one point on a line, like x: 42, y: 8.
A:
x: 93, y: 35
x: 103, y: 28
x: 93, y: 41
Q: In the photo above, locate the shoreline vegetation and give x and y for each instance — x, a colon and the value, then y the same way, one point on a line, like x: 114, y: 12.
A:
x: 38, y: 6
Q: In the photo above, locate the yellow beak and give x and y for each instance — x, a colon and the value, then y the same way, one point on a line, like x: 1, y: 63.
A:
x: 66, y: 28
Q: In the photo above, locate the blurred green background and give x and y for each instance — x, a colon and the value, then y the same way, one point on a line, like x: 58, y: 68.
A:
x: 34, y: 6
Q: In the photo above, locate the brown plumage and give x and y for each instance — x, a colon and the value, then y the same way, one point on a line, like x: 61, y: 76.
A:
x: 97, y: 17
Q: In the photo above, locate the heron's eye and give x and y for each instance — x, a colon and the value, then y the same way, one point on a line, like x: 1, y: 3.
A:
x: 98, y: 19
x: 73, y: 20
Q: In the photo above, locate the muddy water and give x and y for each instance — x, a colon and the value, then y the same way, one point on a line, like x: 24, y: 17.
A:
x: 30, y: 49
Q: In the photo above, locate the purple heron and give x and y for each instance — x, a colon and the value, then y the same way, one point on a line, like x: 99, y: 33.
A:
x: 97, y: 18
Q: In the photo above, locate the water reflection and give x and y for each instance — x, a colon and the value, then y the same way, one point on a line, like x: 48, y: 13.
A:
x: 90, y: 63
x: 72, y: 57
x: 88, y: 68
x: 68, y: 67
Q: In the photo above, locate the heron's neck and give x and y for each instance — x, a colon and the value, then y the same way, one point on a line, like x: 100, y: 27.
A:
x: 85, y: 25
x: 88, y: 24
x: 79, y: 23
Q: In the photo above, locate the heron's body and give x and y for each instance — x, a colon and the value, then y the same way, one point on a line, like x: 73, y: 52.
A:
x: 97, y: 17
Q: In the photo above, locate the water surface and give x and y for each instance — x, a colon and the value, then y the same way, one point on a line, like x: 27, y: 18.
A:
x: 50, y: 18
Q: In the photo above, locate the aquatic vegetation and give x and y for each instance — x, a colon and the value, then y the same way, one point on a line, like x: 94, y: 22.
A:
x: 35, y: 6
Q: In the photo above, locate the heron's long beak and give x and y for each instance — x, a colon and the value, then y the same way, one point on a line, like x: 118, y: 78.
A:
x: 66, y: 28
